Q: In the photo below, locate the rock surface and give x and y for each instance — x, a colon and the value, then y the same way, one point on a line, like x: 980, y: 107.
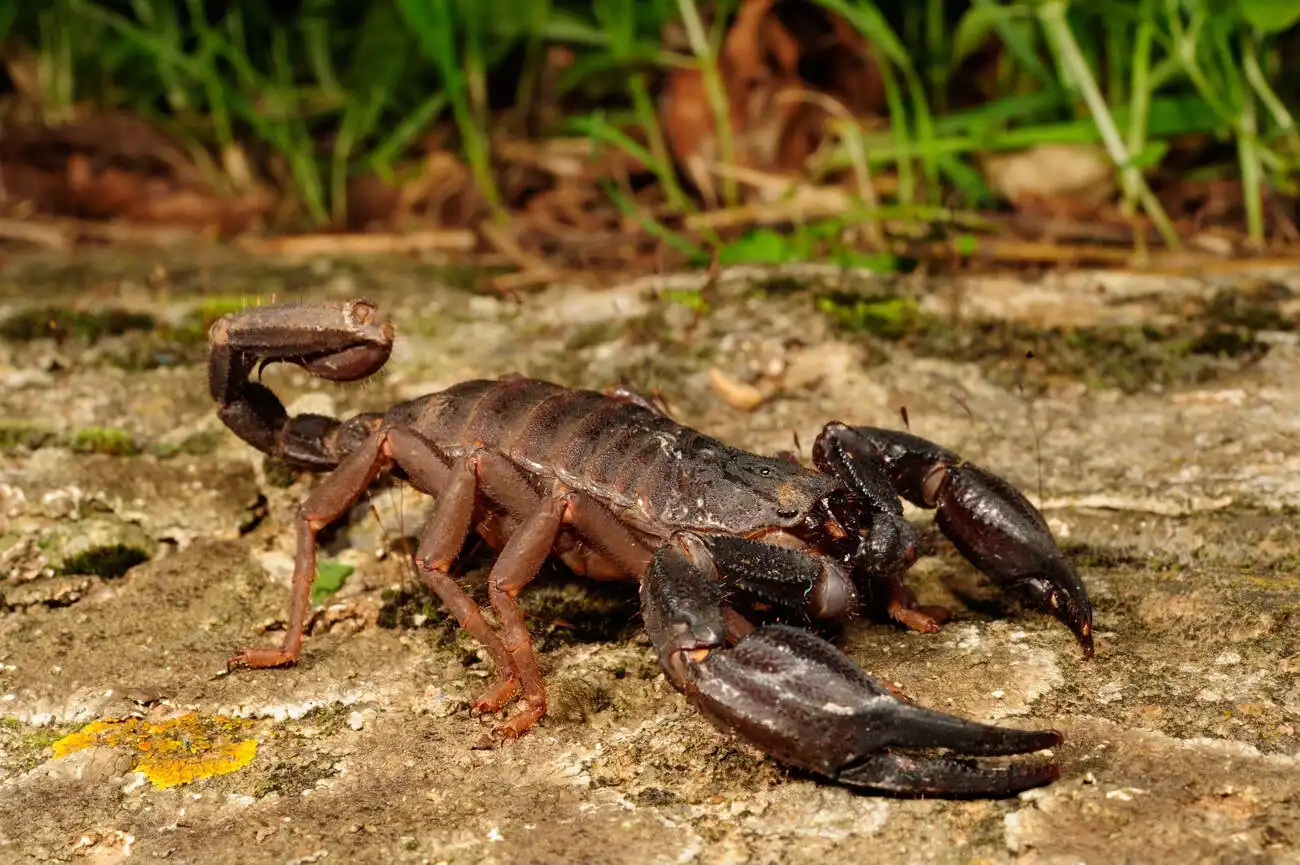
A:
x: 1171, y: 479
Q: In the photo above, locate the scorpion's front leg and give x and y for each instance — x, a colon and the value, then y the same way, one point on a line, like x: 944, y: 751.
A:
x: 804, y: 702
x: 987, y: 519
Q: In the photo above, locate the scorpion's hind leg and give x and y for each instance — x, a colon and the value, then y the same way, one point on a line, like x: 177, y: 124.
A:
x: 326, y: 503
x: 801, y: 700
x: 988, y: 520
x: 457, y: 490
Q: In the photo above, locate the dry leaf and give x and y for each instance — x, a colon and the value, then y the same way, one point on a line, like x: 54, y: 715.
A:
x: 737, y: 394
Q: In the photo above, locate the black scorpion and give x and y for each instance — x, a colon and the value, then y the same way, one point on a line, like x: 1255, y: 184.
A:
x: 618, y: 489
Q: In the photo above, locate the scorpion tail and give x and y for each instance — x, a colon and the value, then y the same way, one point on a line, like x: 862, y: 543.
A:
x: 807, y: 704
x: 336, y: 341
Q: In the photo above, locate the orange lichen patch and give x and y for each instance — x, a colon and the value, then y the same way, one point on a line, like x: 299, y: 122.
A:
x: 171, y: 752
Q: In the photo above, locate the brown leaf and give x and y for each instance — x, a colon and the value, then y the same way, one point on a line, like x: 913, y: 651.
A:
x: 773, y: 56
x: 115, y: 166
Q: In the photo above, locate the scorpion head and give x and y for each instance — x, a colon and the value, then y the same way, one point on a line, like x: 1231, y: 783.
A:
x: 778, y: 492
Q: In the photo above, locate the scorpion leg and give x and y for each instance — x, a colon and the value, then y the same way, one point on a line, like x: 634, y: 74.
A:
x: 988, y: 520
x: 441, y: 541
x: 801, y: 700
x: 335, y: 494
x: 890, y: 540
x: 520, y: 560
x: 626, y: 393
x: 527, y: 543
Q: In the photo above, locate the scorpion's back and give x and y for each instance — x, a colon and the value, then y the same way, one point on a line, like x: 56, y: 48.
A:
x: 658, y: 474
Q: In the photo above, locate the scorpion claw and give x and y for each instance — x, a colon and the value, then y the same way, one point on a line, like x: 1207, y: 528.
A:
x: 803, y: 701
x: 918, y: 776
x: 988, y: 520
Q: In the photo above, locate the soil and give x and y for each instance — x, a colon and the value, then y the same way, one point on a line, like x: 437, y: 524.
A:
x: 141, y: 545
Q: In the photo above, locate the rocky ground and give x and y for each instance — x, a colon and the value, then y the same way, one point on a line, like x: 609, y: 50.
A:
x: 141, y: 545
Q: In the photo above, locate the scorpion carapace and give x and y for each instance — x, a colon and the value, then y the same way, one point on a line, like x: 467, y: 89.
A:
x: 616, y: 488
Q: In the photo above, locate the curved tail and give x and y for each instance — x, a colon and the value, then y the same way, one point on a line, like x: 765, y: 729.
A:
x: 336, y: 341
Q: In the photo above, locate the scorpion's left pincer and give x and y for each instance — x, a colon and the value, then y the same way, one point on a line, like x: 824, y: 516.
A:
x: 803, y: 701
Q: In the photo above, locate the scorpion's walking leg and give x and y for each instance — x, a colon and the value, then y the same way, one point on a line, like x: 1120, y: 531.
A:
x: 988, y: 520
x: 441, y: 541
x: 335, y: 494
x: 518, y: 565
x: 807, y: 704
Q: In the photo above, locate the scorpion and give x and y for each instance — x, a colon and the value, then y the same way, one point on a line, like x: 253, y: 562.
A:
x: 614, y: 487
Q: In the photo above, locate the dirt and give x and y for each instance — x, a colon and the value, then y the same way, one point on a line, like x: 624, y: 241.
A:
x: 134, y: 563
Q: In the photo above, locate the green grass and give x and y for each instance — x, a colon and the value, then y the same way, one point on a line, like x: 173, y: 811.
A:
x: 317, y: 93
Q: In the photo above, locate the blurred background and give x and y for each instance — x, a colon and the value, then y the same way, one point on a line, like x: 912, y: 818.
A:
x: 583, y: 137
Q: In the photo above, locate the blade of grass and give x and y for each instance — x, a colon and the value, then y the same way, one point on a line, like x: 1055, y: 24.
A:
x: 1052, y: 16
x: 435, y: 29
x: 1281, y: 115
x: 716, y: 93
x: 382, y: 156
x: 697, y: 255
x: 866, y: 17
x: 1252, y: 177
x: 1140, y: 99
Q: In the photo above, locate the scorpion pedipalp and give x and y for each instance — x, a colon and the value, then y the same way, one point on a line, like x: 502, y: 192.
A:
x: 988, y: 520
x: 803, y: 701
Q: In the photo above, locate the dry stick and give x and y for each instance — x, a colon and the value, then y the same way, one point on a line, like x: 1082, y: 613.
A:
x: 533, y: 270
x: 63, y: 233
x: 453, y: 240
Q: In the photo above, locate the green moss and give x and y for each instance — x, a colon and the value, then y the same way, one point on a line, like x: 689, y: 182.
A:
x: 779, y: 286
x: 1251, y: 307
x: 18, y: 435
x: 592, y: 335
x: 1092, y: 556
x: 107, y: 562
x: 1220, y: 336
x: 562, y: 610
x: 399, y: 608
x: 278, y: 473
x: 25, y: 745
x: 692, y: 299
x: 111, y: 441
x: 330, y: 577
x: 888, y: 317
x: 196, y: 445
x: 60, y: 324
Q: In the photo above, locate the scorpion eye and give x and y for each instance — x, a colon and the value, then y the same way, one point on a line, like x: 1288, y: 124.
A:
x: 765, y: 472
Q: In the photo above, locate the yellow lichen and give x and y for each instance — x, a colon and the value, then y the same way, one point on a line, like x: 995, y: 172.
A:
x: 171, y: 752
